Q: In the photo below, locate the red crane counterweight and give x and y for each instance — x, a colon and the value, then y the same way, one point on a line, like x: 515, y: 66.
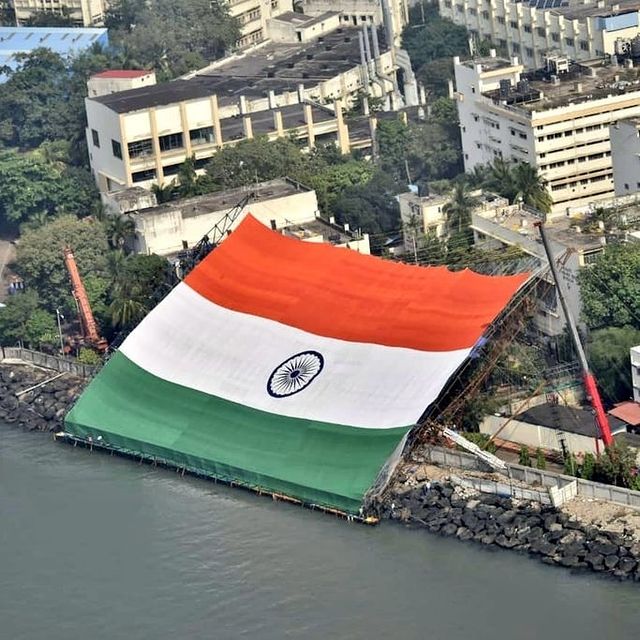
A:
x: 89, y: 326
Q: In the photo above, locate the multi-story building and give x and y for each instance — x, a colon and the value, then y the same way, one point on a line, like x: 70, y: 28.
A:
x: 63, y: 40
x: 393, y: 14
x: 142, y: 136
x: 282, y: 204
x: 580, y: 29
x: 556, y: 119
x: 625, y: 156
x: 253, y: 15
x: 83, y: 12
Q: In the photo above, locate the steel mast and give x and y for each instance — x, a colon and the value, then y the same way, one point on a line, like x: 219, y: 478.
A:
x: 591, y: 388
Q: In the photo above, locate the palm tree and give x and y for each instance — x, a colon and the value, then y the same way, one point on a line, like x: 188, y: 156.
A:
x: 501, y: 180
x: 126, y: 308
x: 120, y: 229
x: 458, y: 209
x: 530, y: 187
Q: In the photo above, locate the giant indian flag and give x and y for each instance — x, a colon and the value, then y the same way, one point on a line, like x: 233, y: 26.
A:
x: 293, y: 367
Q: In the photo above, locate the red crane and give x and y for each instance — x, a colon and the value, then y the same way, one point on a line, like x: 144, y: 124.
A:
x: 87, y: 321
x: 590, y: 386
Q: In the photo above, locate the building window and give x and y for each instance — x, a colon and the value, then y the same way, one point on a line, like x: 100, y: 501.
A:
x: 274, y: 4
x: 529, y: 51
x: 500, y: 19
x: 140, y: 148
x: 170, y: 142
x: 515, y: 47
x: 473, y: 11
x: 485, y: 15
x: 96, y: 138
x: 202, y: 136
x: 142, y: 176
x: 584, y: 45
x: 527, y: 28
x: 541, y: 31
x: 555, y: 37
x: 459, y: 8
x: 569, y: 42
x: 116, y: 147
x: 172, y: 169
x: 447, y: 3
x: 514, y: 24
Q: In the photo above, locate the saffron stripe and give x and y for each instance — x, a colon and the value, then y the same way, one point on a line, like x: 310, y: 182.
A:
x: 341, y: 294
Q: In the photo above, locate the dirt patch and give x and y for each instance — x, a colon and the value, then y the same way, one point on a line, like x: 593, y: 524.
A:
x: 605, y: 515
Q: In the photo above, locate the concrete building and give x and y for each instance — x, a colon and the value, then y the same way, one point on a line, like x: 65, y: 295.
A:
x: 556, y: 119
x: 83, y: 12
x: 253, y: 17
x: 424, y: 216
x: 625, y: 156
x: 63, y: 40
x: 114, y: 80
x: 297, y: 27
x: 142, y: 136
x: 282, y: 204
x: 579, y: 29
x: 513, y: 226
x: 359, y: 12
x: 554, y: 427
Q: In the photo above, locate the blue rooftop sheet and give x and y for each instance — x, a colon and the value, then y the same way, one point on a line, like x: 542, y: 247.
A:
x: 62, y: 40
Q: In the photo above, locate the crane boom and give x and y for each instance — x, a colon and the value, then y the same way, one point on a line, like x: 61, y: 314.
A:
x: 89, y: 326
x: 590, y: 386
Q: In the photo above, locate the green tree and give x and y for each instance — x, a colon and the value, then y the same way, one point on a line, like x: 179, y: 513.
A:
x: 499, y: 178
x: 41, y: 329
x: 126, y: 308
x: 171, y: 37
x: 541, y: 462
x: 588, y: 468
x: 609, y: 358
x: 530, y: 187
x: 458, y: 209
x: 610, y: 288
x: 88, y: 356
x: 393, y: 142
x: 32, y: 187
x: 617, y: 466
x: 7, y: 14
x: 40, y: 259
x: 524, y: 458
x: 120, y: 231
x: 14, y: 317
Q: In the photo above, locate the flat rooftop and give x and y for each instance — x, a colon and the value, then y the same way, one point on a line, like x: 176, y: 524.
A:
x: 563, y: 230
x: 568, y: 419
x: 227, y: 199
x: 584, y: 81
x: 273, y: 66
x: 330, y: 233
x: 62, y: 40
x: 576, y: 11
x: 302, y: 20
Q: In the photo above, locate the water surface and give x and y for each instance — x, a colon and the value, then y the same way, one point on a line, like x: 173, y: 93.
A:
x: 98, y: 547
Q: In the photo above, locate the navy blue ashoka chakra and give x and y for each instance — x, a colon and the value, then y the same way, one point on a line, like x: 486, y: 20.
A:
x: 295, y: 374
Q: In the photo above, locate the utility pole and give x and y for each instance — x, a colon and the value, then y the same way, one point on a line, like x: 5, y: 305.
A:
x: 588, y: 378
x: 58, y: 316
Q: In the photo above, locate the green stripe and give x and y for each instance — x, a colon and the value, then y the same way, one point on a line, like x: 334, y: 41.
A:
x: 316, y: 462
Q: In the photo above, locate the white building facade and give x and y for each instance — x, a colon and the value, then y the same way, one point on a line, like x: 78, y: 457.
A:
x: 581, y: 30
x: 559, y: 124
x: 87, y: 13
x: 625, y: 156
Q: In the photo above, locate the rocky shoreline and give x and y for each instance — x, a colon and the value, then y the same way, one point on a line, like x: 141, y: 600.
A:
x: 501, y: 522
x: 42, y: 409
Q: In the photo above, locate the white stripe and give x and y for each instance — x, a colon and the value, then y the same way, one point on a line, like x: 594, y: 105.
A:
x: 191, y: 341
